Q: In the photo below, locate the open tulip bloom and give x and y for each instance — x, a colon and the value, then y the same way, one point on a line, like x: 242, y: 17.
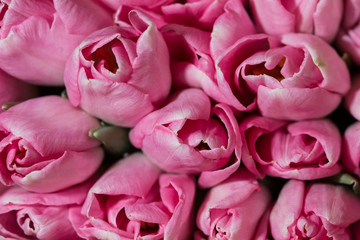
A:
x: 124, y: 204
x: 317, y: 211
x: 187, y: 136
x: 28, y: 215
x: 303, y: 150
x: 120, y: 74
x: 233, y: 209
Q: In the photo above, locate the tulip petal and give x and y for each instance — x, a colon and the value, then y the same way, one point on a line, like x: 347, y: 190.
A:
x: 145, y: 66
x: 118, y: 180
x: 225, y: 33
x: 327, y: 19
x: 325, y: 57
x: 177, y: 193
x: 181, y: 105
x: 36, y: 112
x: 334, y: 203
x: 64, y: 169
x: 287, y: 209
x: 296, y: 103
x: 82, y: 17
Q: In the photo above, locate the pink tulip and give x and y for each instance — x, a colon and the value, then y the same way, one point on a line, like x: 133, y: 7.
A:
x: 120, y: 74
x: 189, y: 136
x: 350, y: 149
x: 45, y: 146
x: 352, y: 98
x: 316, y: 211
x: 134, y: 200
x: 13, y: 90
x: 299, y: 77
x: 348, y: 36
x: 203, y: 30
x: 27, y: 215
x: 201, y: 18
x: 304, y: 150
x: 233, y: 209
x: 321, y: 18
x: 38, y: 36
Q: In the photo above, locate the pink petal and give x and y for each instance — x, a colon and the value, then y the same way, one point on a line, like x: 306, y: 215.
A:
x: 296, y: 103
x: 178, y: 193
x: 27, y: 46
x: 148, y: 70
x: 334, y: 203
x: 272, y: 17
x: 225, y: 33
x: 65, y: 169
x: 220, y: 214
x: 287, y: 209
x: 33, y: 114
x: 241, y: 99
x: 118, y: 98
x: 212, y: 178
x: 197, y: 38
x: 252, y: 129
x: 82, y: 17
x: 17, y: 196
x: 187, y: 74
x: 181, y: 106
x: 325, y: 57
x: 327, y: 19
x: 46, y: 223
x: 325, y: 132
x: 120, y: 180
x: 9, y: 228
x: 305, y: 173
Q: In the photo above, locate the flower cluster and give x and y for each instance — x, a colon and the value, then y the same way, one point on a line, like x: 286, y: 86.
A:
x: 177, y: 120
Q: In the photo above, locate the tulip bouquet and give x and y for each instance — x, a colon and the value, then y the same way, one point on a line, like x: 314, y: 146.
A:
x: 179, y: 120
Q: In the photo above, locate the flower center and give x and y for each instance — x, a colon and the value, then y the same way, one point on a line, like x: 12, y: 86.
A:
x: 260, y: 69
x: 203, y: 146
x: 147, y: 228
x: 3, y: 8
x: 105, y: 53
x: 308, y: 226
